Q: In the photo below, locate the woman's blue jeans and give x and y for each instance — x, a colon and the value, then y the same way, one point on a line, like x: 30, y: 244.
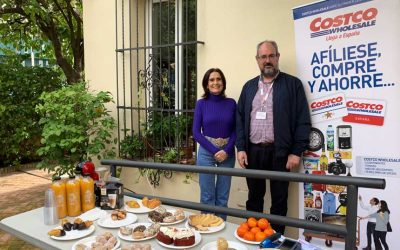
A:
x: 214, y: 189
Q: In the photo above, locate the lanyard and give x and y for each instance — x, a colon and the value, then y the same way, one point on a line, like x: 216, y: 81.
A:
x: 266, y: 94
x: 269, y: 90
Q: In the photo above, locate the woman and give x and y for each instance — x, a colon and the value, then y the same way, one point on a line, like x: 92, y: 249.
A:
x: 214, y: 130
x: 382, y: 218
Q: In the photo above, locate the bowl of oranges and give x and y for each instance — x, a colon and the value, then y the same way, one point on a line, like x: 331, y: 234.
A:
x: 254, y: 231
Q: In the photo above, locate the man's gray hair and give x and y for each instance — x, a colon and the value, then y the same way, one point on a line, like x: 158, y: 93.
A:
x: 273, y: 43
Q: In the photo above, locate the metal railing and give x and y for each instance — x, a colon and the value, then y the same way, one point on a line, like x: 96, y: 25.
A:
x: 352, y: 184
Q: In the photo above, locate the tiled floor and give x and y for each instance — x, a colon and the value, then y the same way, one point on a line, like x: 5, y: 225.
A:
x: 20, y: 192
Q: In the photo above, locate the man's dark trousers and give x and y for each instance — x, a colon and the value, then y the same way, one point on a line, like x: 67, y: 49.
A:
x: 263, y: 158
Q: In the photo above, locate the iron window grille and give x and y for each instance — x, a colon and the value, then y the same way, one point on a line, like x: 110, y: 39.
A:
x: 156, y: 62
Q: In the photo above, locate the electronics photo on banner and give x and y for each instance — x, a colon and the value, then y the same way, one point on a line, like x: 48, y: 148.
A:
x: 347, y: 57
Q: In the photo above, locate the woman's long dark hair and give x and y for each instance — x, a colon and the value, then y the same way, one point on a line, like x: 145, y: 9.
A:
x: 384, y: 207
x: 205, y: 82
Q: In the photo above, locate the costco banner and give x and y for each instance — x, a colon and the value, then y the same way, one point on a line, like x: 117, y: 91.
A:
x: 347, y: 58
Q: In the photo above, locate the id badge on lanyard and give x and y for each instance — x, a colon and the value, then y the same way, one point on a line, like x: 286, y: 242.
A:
x: 262, y: 115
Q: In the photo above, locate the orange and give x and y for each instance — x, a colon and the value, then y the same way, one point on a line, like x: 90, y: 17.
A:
x: 252, y: 222
x: 244, y: 224
x: 255, y: 230
x: 260, y: 236
x: 262, y: 223
x: 249, y: 236
x: 241, y: 231
x: 269, y: 231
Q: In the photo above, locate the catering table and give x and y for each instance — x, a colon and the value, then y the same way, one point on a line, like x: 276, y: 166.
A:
x: 30, y: 227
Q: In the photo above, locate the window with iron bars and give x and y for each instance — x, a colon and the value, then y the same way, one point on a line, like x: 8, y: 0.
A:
x: 156, y: 79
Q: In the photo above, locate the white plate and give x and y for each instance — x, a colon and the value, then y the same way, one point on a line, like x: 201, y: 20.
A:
x: 231, y: 244
x: 246, y: 241
x: 169, y: 223
x: 197, y: 239
x: 140, y: 210
x: 89, y: 240
x: 74, y: 234
x: 107, y: 222
x: 93, y: 214
x: 210, y: 229
x: 130, y: 238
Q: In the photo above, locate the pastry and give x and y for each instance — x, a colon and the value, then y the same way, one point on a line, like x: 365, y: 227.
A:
x: 77, y: 222
x: 118, y: 214
x: 56, y: 232
x: 179, y: 214
x: 125, y: 230
x: 203, y: 221
x: 161, y: 210
x: 169, y: 219
x: 222, y: 244
x: 136, y: 246
x: 132, y: 204
x: 80, y: 247
x: 67, y: 226
x: 150, y: 231
x: 156, y: 216
x: 140, y: 228
x: 153, y: 203
x: 145, y: 201
x: 138, y: 235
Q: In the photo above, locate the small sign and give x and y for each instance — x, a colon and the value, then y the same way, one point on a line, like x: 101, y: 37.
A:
x: 365, y: 111
x: 328, y: 108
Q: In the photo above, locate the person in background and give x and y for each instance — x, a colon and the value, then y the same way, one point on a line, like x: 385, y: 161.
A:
x: 214, y: 130
x: 382, y: 217
x: 273, y: 126
x: 371, y: 208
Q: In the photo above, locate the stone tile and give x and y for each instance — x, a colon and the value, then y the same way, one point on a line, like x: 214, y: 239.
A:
x: 21, y: 191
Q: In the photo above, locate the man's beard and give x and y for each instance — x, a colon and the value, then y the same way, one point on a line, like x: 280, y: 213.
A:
x: 270, y: 71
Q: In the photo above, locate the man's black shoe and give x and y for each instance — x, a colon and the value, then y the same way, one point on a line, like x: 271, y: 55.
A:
x: 366, y: 248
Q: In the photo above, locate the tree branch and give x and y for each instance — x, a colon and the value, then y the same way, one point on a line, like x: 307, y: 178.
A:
x: 69, y: 21
x: 16, y: 10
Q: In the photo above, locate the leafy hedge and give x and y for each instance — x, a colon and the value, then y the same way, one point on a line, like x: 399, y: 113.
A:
x: 20, y: 89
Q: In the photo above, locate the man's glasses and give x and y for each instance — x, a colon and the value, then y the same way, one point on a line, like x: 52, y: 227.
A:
x: 265, y: 57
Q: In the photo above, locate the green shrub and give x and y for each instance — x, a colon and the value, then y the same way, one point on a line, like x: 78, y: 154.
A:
x: 76, y: 127
x: 20, y: 88
x: 132, y: 147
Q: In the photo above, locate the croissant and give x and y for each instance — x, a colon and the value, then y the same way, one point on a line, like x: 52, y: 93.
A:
x: 153, y: 203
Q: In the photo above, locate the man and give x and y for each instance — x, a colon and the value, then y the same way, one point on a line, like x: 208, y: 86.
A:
x: 372, y: 208
x: 273, y: 127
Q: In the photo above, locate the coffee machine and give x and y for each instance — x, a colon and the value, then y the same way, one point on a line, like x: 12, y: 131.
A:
x: 344, y: 136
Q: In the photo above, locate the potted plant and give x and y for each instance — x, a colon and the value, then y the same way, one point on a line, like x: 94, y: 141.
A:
x: 76, y: 126
x: 132, y: 147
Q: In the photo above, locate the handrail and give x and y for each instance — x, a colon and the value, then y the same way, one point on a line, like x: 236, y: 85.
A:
x: 352, y: 183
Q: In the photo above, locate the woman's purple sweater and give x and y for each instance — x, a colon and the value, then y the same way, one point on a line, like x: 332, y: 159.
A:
x: 215, y: 117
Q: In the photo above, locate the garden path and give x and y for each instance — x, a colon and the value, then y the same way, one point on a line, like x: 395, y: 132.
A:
x: 20, y: 191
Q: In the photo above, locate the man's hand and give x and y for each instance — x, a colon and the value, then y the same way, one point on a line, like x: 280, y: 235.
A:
x: 220, y: 156
x: 242, y: 159
x: 293, y: 161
